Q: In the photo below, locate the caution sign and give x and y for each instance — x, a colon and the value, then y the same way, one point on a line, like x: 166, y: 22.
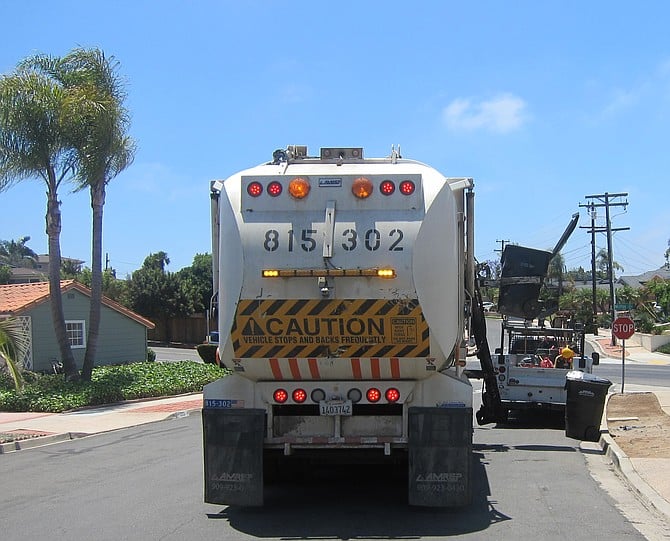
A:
x: 329, y: 328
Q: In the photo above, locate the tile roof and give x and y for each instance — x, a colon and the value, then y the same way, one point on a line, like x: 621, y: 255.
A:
x: 17, y: 298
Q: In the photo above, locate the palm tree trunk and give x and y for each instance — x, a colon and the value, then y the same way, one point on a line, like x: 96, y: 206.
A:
x: 97, y: 204
x: 53, y: 221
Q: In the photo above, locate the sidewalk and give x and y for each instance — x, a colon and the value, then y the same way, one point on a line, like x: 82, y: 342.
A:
x: 35, y: 429
x: 649, y: 478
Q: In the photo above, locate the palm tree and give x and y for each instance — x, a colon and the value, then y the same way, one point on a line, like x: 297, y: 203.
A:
x: 103, y: 151
x: 602, y: 263
x: 557, y: 270
x: 16, y: 253
x: 38, y: 122
x: 14, y: 342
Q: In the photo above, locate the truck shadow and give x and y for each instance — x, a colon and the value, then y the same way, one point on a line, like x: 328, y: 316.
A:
x: 542, y: 419
x: 364, y: 502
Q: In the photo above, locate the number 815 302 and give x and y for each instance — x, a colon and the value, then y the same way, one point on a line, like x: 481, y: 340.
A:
x: 305, y: 239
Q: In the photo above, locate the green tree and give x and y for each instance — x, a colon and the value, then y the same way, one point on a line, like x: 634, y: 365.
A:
x: 557, y: 271
x: 112, y: 287
x: 14, y: 342
x: 103, y: 151
x: 70, y: 269
x: 39, y: 122
x: 15, y: 253
x: 196, y: 281
x: 602, y: 265
x: 156, y: 293
x: 5, y: 274
x: 658, y: 290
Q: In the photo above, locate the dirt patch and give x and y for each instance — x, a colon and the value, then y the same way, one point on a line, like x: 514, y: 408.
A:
x: 638, y: 425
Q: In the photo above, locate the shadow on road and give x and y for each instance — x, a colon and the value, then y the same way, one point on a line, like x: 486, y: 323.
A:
x: 360, y: 502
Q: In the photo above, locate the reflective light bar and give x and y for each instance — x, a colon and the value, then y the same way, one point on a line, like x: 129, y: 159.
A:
x: 318, y: 273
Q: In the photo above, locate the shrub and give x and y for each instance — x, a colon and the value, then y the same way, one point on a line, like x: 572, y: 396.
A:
x: 207, y: 353
x: 108, y: 384
x: 151, y: 355
x: 645, y: 324
x: 605, y: 320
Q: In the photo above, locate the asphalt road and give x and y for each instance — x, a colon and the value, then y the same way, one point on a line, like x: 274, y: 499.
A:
x: 176, y: 354
x: 145, y: 483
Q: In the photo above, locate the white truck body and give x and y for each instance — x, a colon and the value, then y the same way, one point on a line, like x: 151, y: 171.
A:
x: 523, y: 383
x: 326, y: 356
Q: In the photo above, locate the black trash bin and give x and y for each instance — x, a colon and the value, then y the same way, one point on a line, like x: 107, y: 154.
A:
x: 585, y: 404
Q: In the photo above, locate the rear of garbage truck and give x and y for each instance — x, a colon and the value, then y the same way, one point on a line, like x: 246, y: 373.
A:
x: 341, y: 287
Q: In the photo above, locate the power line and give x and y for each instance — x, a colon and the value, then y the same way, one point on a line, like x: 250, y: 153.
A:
x: 605, y: 200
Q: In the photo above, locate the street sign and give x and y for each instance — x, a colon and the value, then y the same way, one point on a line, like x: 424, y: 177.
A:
x: 623, y: 328
x: 623, y: 307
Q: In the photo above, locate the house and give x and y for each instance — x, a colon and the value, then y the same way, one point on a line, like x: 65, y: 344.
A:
x: 640, y: 280
x: 122, y: 336
x: 39, y: 270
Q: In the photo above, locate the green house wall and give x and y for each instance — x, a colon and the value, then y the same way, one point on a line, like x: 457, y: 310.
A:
x: 120, y: 338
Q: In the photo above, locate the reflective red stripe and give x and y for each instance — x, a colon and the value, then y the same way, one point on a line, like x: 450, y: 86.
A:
x: 356, y: 368
x: 395, y: 368
x: 314, y: 369
x: 374, y: 366
x: 276, y: 370
x: 295, y: 371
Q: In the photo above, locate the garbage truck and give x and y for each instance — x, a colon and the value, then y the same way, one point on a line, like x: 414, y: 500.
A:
x: 345, y: 294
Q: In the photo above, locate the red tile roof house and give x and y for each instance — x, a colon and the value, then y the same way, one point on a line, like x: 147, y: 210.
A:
x: 122, y: 336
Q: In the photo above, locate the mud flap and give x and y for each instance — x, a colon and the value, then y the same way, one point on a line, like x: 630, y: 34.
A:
x: 233, y: 453
x: 440, y: 455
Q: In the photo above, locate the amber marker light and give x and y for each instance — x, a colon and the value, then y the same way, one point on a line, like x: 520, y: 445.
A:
x: 299, y: 188
x: 362, y: 187
x: 386, y: 273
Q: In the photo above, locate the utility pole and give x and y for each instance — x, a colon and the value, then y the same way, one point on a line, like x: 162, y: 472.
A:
x: 593, y: 230
x: 605, y: 201
x: 502, y: 246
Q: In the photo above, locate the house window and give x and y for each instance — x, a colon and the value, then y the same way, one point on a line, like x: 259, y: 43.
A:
x: 75, y: 333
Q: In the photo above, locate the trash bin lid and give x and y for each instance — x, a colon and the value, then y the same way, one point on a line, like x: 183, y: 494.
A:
x: 578, y: 375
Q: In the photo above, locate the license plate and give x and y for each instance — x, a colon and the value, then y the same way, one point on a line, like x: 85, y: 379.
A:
x: 335, y: 408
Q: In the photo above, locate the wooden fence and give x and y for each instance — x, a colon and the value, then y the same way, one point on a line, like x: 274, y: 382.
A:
x: 185, y: 330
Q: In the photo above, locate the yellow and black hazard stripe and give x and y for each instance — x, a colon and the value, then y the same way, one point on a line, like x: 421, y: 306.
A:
x: 292, y: 328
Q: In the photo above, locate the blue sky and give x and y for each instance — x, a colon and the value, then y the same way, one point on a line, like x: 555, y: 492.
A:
x: 543, y: 103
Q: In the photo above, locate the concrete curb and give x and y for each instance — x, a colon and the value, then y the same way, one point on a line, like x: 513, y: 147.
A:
x: 30, y: 443
x: 622, y: 463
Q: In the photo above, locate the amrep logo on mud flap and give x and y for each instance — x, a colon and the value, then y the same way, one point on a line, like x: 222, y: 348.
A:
x: 440, y: 482
x: 315, y: 328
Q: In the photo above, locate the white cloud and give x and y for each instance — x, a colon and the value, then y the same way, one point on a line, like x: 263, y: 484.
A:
x: 502, y: 114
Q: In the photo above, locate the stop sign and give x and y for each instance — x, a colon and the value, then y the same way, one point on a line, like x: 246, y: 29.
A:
x: 623, y: 328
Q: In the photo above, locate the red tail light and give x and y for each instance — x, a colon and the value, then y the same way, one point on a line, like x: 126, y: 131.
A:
x: 407, y: 187
x: 280, y: 396
x: 392, y: 394
x: 255, y: 189
x: 274, y: 188
x: 299, y: 396
x: 373, y: 395
x: 387, y: 187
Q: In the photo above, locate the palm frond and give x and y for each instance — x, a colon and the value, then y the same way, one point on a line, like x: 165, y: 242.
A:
x: 14, y: 342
